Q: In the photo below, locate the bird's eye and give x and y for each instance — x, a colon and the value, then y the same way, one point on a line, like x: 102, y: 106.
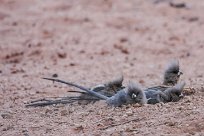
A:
x: 177, y: 93
x: 175, y: 72
x: 134, y: 95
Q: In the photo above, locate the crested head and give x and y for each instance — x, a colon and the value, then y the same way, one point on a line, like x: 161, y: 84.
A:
x: 173, y: 66
x: 115, y: 84
x: 136, y: 93
x: 172, y: 73
x: 118, y: 81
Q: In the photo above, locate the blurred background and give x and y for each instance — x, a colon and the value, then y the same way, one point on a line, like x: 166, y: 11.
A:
x: 93, y: 41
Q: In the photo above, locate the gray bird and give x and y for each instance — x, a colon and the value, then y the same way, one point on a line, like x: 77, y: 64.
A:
x: 174, y: 93
x: 113, y: 86
x: 158, y: 93
x: 171, y: 76
x: 129, y: 95
x: 172, y: 73
x: 170, y: 94
x: 108, y: 89
x: 113, y: 89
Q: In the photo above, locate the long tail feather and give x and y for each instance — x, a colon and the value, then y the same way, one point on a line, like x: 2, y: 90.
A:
x: 78, y: 92
x: 65, y: 100
x: 103, y: 97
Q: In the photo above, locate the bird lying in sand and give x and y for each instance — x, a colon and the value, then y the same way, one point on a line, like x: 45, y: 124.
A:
x: 116, y: 94
x: 170, y: 94
x: 108, y: 89
x: 131, y: 94
x: 171, y: 77
x: 128, y: 95
x: 149, y: 96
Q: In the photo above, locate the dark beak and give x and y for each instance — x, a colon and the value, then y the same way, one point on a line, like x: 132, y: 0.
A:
x: 181, y: 95
x: 180, y: 73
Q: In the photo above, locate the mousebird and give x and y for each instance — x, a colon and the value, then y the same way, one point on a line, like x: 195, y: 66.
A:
x: 128, y: 95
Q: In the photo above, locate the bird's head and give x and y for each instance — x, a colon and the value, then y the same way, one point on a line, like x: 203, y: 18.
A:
x: 136, y: 93
x: 172, y: 73
x: 115, y: 84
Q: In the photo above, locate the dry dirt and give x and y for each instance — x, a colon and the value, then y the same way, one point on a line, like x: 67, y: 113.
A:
x: 90, y: 42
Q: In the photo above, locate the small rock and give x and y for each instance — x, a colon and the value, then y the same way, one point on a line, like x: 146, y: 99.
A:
x: 82, y: 51
x: 72, y: 64
x: 170, y: 123
x: 7, y: 128
x: 129, y: 113
x: 78, y: 127
x: 104, y: 52
x: 202, y: 89
x: 64, y: 112
x: 14, y: 24
x: 187, y: 99
x: 181, y: 108
x: 121, y: 48
x: 122, y: 40
x: 55, y: 75
x: 193, y: 19
x: 62, y: 55
x: 6, y: 115
x: 189, y: 91
x: 139, y: 105
x: 48, y: 111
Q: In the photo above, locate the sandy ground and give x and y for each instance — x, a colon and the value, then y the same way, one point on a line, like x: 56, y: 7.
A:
x: 91, y: 42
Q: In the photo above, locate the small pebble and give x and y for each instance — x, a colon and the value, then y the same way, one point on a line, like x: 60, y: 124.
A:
x: 55, y: 75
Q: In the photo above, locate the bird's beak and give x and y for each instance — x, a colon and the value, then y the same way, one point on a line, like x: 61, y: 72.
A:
x: 134, y: 95
x: 180, y: 73
x: 181, y: 95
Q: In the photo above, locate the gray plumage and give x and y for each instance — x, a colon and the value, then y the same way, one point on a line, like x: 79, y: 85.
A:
x: 171, y: 77
x: 91, y: 92
x: 108, y: 89
x: 129, y: 95
x: 168, y: 94
x: 114, y: 85
x: 155, y: 96
x: 117, y: 93
x: 174, y: 93
x: 172, y: 73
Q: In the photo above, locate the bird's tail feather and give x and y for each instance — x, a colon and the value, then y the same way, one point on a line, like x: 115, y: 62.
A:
x: 100, y: 96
